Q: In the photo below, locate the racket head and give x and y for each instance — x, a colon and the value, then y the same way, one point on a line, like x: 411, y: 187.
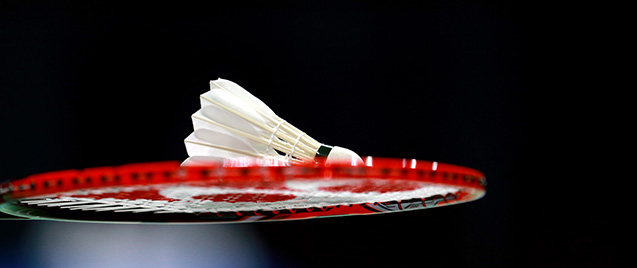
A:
x: 240, y: 190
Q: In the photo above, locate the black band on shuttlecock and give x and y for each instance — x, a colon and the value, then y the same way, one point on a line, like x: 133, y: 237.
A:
x: 324, y: 150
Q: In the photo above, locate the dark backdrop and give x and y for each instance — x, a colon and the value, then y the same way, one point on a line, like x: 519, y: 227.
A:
x: 475, y: 84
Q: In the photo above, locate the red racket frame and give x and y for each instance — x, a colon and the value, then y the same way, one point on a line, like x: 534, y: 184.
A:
x: 471, y: 182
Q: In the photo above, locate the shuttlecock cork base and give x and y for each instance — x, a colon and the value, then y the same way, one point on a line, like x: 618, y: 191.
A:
x: 338, y: 154
x: 232, y: 123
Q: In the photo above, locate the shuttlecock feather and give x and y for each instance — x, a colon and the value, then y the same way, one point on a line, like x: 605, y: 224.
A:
x: 232, y: 123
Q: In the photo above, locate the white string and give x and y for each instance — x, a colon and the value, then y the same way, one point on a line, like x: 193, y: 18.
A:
x: 295, y: 143
x: 273, y: 133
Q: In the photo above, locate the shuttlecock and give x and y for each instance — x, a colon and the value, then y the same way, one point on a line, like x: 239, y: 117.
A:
x: 232, y: 124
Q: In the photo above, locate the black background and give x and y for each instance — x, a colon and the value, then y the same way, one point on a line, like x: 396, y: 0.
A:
x: 488, y: 85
